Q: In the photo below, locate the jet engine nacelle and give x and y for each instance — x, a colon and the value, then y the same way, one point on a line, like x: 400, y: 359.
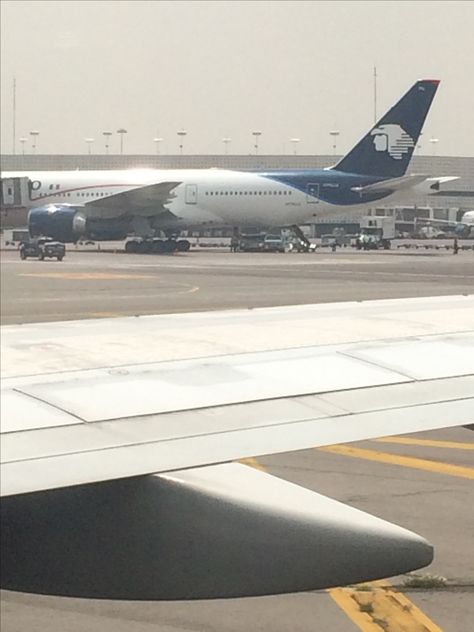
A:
x: 214, y: 532
x: 63, y: 222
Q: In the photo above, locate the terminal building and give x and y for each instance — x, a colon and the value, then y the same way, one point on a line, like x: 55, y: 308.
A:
x: 453, y: 200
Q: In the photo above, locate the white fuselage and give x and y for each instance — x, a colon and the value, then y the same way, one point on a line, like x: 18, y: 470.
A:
x: 205, y: 196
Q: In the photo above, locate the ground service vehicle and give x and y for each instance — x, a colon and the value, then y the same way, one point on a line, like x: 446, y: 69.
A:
x: 43, y: 249
x: 252, y: 242
x: 274, y: 243
x: 375, y: 232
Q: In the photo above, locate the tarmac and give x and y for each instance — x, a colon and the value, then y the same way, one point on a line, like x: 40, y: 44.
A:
x: 424, y: 482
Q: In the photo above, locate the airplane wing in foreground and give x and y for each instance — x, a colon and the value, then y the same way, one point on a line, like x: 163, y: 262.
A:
x: 118, y: 437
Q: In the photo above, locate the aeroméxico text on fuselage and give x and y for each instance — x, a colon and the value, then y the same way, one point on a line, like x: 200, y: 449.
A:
x: 70, y: 205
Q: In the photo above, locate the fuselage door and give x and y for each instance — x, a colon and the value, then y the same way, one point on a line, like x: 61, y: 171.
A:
x: 191, y: 194
x: 312, y: 193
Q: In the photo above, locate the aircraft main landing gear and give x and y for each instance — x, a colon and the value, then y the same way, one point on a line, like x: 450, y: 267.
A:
x: 156, y: 246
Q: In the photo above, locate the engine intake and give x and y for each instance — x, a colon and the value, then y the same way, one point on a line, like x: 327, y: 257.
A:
x: 60, y: 221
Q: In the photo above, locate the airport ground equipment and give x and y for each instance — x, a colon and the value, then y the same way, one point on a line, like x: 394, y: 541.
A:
x: 376, y: 232
x: 251, y: 242
x: 274, y: 243
x: 42, y: 248
x: 119, y: 441
x: 276, y: 239
x: 299, y: 241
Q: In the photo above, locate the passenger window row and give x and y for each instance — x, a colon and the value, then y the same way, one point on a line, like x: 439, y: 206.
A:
x: 81, y: 193
x: 248, y: 192
x: 102, y: 193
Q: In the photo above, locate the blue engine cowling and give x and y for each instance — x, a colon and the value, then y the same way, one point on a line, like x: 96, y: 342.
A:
x: 62, y: 222
x: 68, y: 223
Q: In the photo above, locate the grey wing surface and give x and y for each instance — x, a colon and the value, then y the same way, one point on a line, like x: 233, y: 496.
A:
x: 118, y: 437
x: 143, y: 199
x: 108, y: 418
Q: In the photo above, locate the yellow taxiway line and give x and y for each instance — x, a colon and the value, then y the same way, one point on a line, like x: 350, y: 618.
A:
x: 252, y: 462
x: 428, y: 443
x: 405, y: 461
x: 378, y: 607
x: 87, y: 276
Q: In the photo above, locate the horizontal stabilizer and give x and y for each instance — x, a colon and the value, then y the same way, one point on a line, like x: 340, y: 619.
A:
x: 392, y: 185
x: 221, y: 531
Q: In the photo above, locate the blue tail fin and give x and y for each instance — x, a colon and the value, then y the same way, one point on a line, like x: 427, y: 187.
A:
x: 387, y: 149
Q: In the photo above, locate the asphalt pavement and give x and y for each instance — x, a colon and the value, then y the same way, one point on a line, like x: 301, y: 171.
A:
x: 423, y: 483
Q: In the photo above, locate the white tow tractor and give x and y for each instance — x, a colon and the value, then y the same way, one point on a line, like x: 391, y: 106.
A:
x: 375, y: 233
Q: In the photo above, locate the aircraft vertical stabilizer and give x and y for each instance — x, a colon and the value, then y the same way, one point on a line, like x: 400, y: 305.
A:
x: 387, y: 149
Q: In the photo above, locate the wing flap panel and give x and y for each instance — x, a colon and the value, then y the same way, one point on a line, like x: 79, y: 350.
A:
x: 192, y: 384
x: 20, y: 412
x: 131, y: 460
x: 423, y: 359
x: 85, y: 437
x: 402, y: 395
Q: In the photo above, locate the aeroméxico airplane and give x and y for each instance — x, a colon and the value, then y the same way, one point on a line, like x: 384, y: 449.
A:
x: 70, y: 205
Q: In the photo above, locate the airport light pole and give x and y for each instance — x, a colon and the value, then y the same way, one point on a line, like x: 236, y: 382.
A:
x: 334, y: 133
x: 157, y: 142
x: 34, y: 139
x: 23, y: 141
x: 181, y: 135
x: 295, y: 142
x: 434, y: 142
x: 256, y: 136
x: 226, y: 142
x: 419, y: 143
x: 121, y: 131
x: 107, y: 136
x: 89, y: 142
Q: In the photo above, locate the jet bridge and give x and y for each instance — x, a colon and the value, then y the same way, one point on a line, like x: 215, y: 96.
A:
x: 14, y: 192
x: 14, y: 202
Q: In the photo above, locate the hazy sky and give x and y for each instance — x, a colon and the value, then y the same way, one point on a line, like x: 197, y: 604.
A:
x: 224, y: 69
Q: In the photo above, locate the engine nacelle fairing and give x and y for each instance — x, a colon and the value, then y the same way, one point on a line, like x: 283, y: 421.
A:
x: 63, y: 222
x: 68, y: 223
x: 213, y: 532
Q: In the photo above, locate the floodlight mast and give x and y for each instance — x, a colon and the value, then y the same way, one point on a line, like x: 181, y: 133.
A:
x: 334, y: 133
x: 121, y: 131
x: 295, y: 142
x: 107, y: 136
x: 256, y: 135
x: 181, y: 136
x: 89, y: 142
x: 34, y: 140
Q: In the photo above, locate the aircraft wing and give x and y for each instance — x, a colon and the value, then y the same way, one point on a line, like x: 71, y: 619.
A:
x: 149, y: 197
x: 91, y: 409
x: 79, y: 427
